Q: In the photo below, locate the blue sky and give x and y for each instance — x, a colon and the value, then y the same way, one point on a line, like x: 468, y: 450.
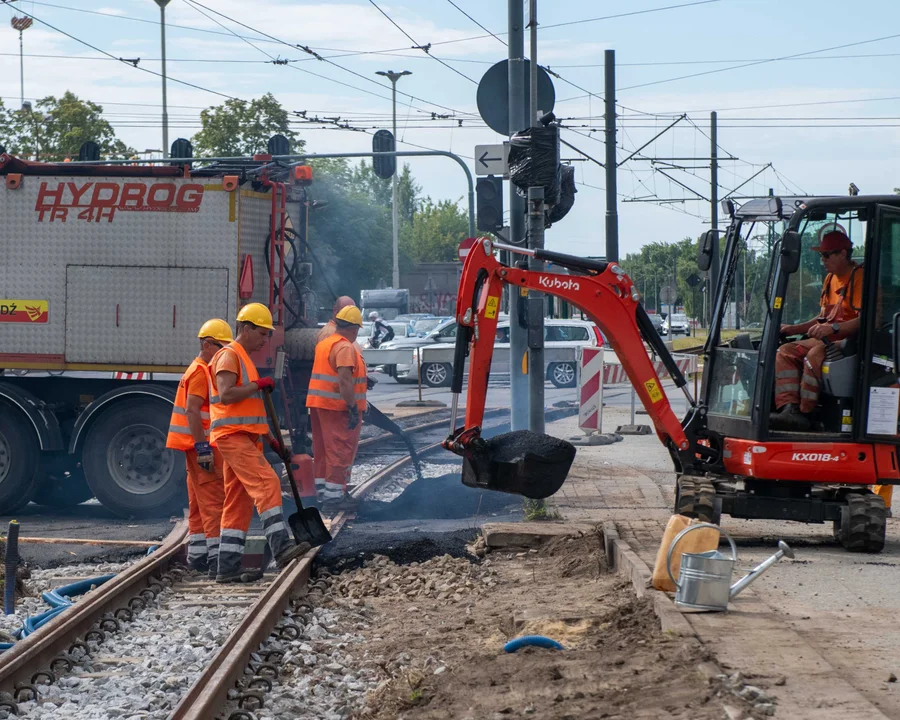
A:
x: 831, y: 125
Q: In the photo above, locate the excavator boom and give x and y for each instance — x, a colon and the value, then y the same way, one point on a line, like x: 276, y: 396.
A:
x: 608, y: 297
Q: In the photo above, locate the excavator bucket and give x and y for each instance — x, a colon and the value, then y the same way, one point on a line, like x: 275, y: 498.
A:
x: 520, y: 462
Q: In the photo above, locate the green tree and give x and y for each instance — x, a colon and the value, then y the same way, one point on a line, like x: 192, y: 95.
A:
x: 6, y: 128
x: 365, y: 181
x: 238, y: 127
x: 435, y: 233
x: 55, y: 129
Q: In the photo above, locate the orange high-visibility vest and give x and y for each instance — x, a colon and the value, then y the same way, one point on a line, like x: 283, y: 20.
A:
x: 180, y: 437
x: 324, y: 385
x: 248, y: 415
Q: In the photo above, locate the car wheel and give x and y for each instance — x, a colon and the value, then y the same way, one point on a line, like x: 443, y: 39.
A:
x: 436, y: 374
x: 562, y: 375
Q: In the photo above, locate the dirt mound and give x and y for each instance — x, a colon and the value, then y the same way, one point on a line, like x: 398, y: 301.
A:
x: 443, y: 497
x: 577, y: 555
x: 353, y: 547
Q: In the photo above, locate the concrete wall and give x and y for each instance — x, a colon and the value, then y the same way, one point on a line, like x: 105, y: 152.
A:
x: 444, y: 283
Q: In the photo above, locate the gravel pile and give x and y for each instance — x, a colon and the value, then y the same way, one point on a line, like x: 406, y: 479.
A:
x: 142, y: 671
x: 442, y: 578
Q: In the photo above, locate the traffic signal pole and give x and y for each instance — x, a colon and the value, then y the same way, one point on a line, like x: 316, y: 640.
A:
x: 518, y: 345
x: 535, y: 242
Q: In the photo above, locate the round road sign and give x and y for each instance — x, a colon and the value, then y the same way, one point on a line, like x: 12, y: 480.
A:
x: 464, y: 248
x: 492, y: 97
x: 667, y: 294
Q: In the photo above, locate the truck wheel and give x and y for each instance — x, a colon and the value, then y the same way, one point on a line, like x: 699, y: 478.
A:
x: 562, y: 375
x: 19, y: 453
x: 436, y: 374
x: 696, y: 498
x: 863, y: 523
x: 127, y: 465
x: 61, y: 483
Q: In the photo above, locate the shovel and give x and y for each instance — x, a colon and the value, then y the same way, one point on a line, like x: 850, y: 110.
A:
x: 306, y: 523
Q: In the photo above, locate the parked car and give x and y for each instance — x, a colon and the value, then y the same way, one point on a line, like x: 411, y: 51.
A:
x: 658, y: 323
x: 423, y: 326
x: 410, y: 320
x: 677, y: 324
x: 557, y: 333
x: 401, y: 330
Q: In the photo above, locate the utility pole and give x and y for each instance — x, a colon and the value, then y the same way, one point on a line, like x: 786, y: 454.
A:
x: 714, y: 205
x: 612, y: 211
x: 21, y: 24
x: 165, y: 113
x: 535, y: 242
x: 394, y: 77
x: 518, y: 345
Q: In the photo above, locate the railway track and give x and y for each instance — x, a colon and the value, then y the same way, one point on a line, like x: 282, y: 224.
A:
x: 49, y: 654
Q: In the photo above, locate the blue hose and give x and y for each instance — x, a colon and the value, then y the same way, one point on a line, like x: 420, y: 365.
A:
x: 58, y: 600
x: 532, y: 641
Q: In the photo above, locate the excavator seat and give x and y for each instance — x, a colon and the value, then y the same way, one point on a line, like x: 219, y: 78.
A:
x: 839, y: 376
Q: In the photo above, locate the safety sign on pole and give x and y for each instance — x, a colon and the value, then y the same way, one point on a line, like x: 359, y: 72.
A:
x: 464, y: 247
x: 590, y: 391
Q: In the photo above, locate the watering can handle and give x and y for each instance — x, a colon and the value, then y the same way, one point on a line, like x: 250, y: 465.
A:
x: 685, y: 532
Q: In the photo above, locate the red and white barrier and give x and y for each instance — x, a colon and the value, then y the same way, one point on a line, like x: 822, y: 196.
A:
x: 590, y: 390
x: 131, y: 376
x: 615, y: 374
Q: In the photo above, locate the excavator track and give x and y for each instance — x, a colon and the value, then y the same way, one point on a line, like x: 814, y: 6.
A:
x: 695, y: 497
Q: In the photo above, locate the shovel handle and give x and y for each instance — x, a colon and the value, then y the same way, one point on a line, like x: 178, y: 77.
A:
x: 273, y: 418
x: 685, y: 532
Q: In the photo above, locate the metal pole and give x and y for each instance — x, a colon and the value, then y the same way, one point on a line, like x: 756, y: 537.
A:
x: 535, y: 242
x: 518, y: 345
x: 395, y: 277
x: 714, y: 203
x: 165, y: 113
x: 612, y: 211
x: 21, y: 72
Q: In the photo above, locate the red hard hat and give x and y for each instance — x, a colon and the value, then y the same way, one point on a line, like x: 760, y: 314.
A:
x: 834, y: 240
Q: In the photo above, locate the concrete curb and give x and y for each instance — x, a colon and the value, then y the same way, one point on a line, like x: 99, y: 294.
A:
x: 624, y: 560
x: 598, y: 439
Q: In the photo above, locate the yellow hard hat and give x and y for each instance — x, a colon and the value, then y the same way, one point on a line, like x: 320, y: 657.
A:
x: 350, y: 314
x: 256, y: 313
x: 217, y: 330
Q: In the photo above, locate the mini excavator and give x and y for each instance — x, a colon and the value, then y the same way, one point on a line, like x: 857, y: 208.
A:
x: 726, y: 457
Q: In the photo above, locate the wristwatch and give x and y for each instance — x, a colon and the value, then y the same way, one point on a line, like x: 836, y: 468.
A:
x: 836, y: 327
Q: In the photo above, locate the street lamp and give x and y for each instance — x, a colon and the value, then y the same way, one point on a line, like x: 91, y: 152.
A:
x: 165, y: 115
x: 22, y: 24
x: 394, y: 77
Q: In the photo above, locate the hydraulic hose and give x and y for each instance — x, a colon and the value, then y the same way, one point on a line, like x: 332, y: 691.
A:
x: 532, y: 641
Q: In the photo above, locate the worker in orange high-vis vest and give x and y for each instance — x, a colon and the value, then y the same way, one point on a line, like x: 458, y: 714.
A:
x: 238, y: 415
x: 336, y: 399
x: 189, y: 432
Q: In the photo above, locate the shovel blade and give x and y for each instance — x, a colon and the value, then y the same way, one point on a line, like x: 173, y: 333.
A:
x: 307, y: 526
x: 521, y: 463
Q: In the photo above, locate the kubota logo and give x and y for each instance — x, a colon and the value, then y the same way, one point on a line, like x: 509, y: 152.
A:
x: 815, y: 457
x: 554, y: 283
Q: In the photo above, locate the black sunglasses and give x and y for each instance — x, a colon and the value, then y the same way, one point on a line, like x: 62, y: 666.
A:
x: 828, y: 253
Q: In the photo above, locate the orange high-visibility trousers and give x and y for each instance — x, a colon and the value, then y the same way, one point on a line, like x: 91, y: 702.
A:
x: 319, y: 465
x: 798, y: 374
x: 206, y: 497
x: 249, y: 481
x: 340, y: 445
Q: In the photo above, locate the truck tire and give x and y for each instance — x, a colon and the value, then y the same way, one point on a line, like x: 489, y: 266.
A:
x: 19, y: 454
x: 863, y: 523
x: 300, y: 343
x: 437, y: 374
x: 127, y: 465
x: 61, y: 483
x: 562, y: 375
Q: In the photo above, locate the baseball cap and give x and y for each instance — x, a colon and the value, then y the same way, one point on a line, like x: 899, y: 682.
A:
x: 834, y: 240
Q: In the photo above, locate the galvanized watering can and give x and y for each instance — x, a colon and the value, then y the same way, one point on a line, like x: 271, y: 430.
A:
x: 705, y: 578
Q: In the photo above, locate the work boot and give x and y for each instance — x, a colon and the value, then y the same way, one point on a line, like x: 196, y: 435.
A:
x: 345, y: 503
x: 235, y: 576
x: 789, y: 418
x: 292, y: 553
x: 213, y: 570
x: 198, y: 565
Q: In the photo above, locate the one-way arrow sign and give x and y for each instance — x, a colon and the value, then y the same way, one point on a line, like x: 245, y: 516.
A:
x: 492, y: 159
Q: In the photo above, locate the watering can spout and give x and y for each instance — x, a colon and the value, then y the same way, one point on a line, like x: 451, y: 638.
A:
x: 784, y: 550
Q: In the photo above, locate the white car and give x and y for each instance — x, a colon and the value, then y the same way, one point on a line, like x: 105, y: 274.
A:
x: 677, y: 325
x: 557, y: 333
x: 365, y: 332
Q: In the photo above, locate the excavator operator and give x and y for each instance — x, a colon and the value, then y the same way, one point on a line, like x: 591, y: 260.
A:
x: 798, y: 365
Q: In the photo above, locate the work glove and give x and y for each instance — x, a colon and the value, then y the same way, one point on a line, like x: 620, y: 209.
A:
x: 280, y: 451
x: 204, y: 455
x: 370, y: 382
x: 266, y: 383
x: 354, y: 418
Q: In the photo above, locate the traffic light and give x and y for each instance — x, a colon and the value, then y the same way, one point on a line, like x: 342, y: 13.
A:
x: 489, y: 204
x: 383, y: 141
